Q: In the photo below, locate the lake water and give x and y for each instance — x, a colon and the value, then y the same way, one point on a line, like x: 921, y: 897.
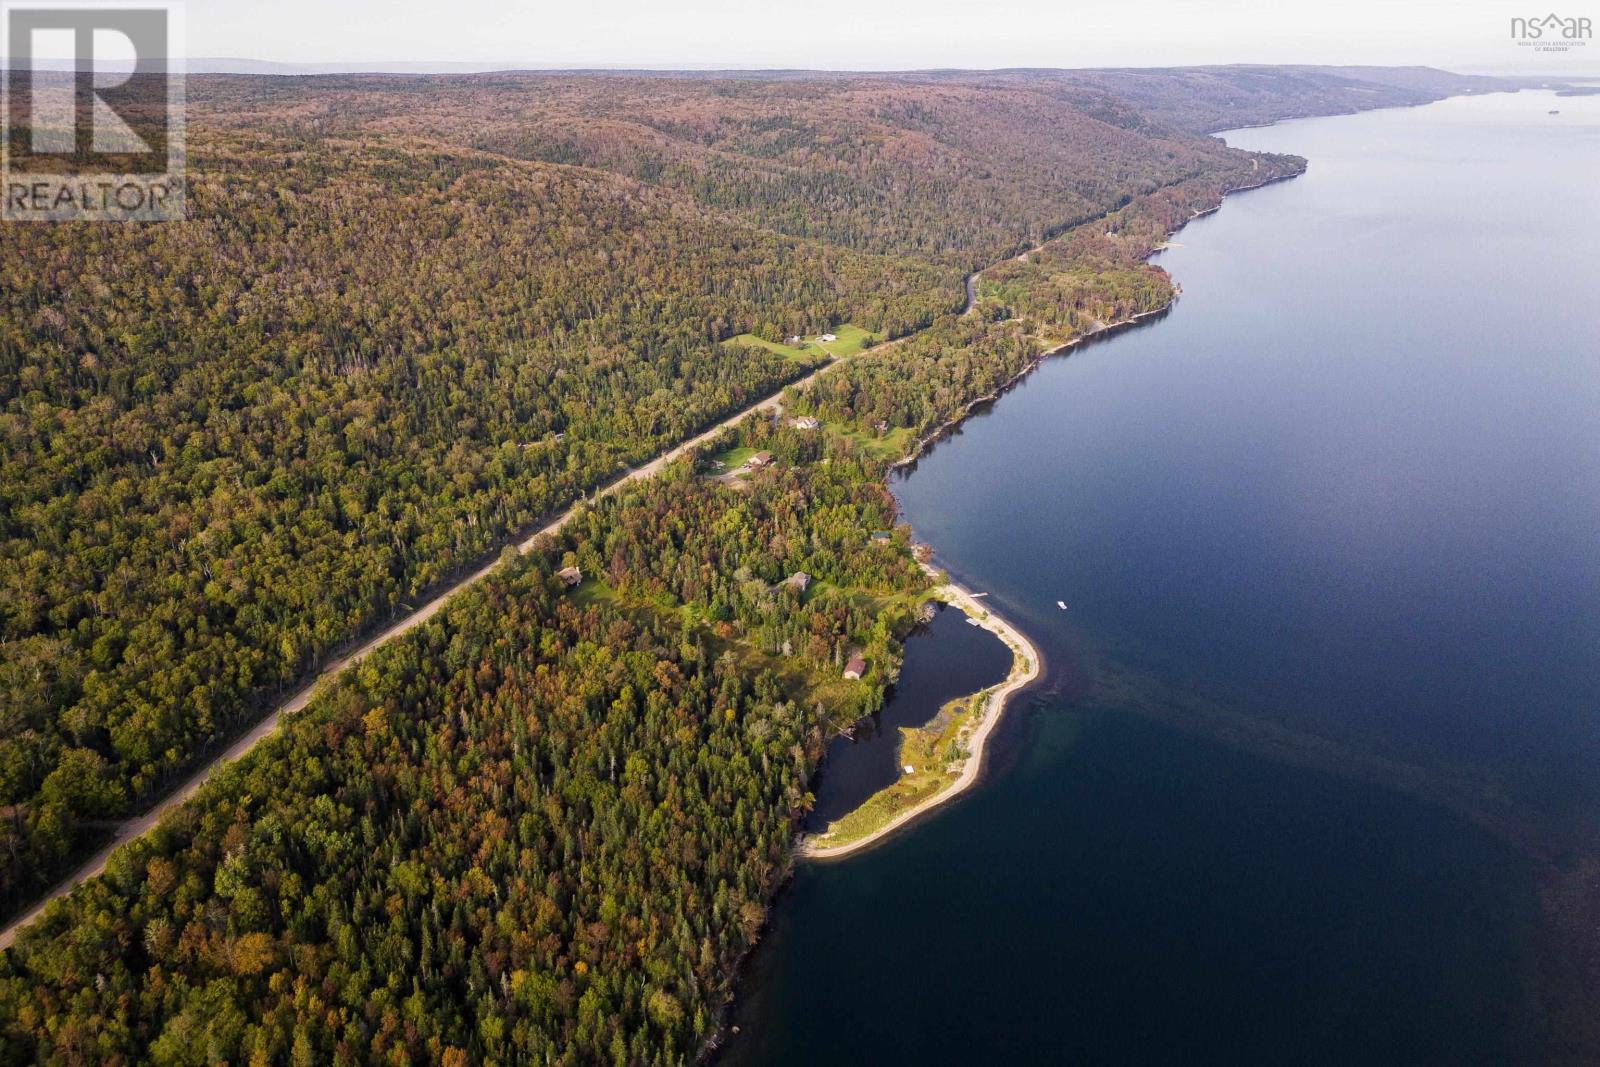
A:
x: 945, y: 658
x: 1340, y: 508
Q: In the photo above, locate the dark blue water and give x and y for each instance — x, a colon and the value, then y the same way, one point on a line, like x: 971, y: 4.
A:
x: 945, y: 658
x: 1339, y: 508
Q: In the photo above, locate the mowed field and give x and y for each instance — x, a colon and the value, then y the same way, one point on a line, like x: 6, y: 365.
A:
x: 849, y: 339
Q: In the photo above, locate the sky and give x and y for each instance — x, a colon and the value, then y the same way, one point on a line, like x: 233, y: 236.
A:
x: 1464, y: 35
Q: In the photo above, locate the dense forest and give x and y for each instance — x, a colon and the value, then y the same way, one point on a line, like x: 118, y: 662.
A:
x: 386, y: 341
x: 409, y: 317
x: 953, y: 172
x: 228, y: 446
x: 546, y: 824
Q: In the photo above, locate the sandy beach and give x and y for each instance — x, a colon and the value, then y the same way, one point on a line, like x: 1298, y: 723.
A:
x: 1025, y: 667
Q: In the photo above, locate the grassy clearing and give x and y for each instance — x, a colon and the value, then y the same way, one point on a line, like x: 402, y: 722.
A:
x: 935, y: 752
x: 593, y: 591
x: 731, y: 459
x: 850, y: 340
x: 799, y: 355
x: 892, y: 445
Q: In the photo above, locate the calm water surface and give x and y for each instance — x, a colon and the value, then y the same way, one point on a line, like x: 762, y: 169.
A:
x: 944, y: 659
x: 1347, y: 489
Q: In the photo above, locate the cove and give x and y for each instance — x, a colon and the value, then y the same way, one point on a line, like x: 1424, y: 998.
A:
x: 944, y: 659
x: 1329, y: 533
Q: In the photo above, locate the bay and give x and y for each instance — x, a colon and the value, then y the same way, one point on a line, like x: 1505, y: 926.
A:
x: 1330, y: 537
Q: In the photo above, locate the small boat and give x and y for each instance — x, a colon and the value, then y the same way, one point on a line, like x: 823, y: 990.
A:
x: 973, y: 622
x: 975, y: 596
x: 1062, y: 604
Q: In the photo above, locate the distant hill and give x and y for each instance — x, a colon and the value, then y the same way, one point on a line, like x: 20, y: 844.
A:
x: 1207, y: 99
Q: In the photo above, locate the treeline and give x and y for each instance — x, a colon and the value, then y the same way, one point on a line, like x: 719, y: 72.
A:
x: 1092, y: 276
x: 228, y: 446
x: 961, y: 170
x: 1207, y: 99
x: 545, y: 825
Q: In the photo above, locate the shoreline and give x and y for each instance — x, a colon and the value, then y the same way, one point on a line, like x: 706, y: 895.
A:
x: 1099, y: 332
x: 1027, y: 664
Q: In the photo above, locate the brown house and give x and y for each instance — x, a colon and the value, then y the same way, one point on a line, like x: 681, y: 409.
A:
x: 856, y: 667
x: 798, y: 581
x: 570, y: 576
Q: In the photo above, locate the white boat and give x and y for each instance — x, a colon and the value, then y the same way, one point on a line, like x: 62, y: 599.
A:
x: 973, y: 622
x: 1062, y: 604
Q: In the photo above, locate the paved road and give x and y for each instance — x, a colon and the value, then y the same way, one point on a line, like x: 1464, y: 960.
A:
x: 266, y: 727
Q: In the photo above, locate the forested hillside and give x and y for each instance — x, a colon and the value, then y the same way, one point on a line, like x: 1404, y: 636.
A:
x: 227, y: 447
x: 409, y: 317
x: 1089, y: 278
x: 960, y: 173
x: 546, y: 825
x: 1207, y: 99
x: 402, y: 325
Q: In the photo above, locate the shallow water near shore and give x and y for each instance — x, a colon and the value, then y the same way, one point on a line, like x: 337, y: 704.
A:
x: 944, y: 659
x: 1345, y: 494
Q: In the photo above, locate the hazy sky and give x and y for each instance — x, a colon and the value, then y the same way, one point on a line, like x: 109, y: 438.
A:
x: 882, y: 34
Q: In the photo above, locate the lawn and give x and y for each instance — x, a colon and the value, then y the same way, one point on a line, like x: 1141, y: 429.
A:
x: 851, y: 339
x: 731, y: 459
x: 892, y: 445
